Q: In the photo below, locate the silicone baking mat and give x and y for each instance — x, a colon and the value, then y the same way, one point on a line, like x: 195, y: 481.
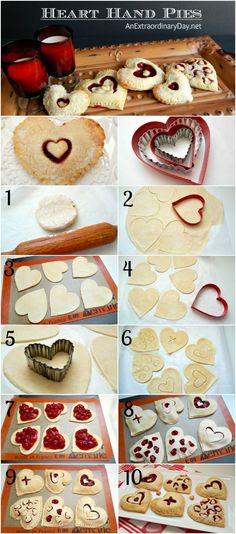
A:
x: 222, y: 417
x: 102, y: 277
x: 103, y: 498
x: 97, y: 426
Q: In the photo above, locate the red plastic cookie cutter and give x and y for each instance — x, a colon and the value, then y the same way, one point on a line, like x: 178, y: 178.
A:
x: 188, y: 197
x: 218, y: 298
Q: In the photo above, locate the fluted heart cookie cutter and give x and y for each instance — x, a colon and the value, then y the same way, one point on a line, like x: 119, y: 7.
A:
x: 189, y: 197
x: 38, y: 350
x: 142, y: 146
x: 218, y: 299
x: 175, y: 133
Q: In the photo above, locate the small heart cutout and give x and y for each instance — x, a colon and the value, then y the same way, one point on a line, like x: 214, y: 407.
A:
x: 168, y: 409
x: 88, y: 515
x: 199, y: 379
x: 85, y: 482
x: 199, y: 406
x: 57, y: 151
x: 169, y: 382
x: 26, y: 278
x: 213, y: 437
x: 58, y: 102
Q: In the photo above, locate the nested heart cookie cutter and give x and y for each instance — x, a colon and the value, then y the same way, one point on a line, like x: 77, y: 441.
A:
x: 144, y: 148
x: 175, y: 133
x: 189, y: 197
x: 35, y: 350
x: 219, y: 298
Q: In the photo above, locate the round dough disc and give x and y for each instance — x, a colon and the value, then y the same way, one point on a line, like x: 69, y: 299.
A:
x: 56, y: 212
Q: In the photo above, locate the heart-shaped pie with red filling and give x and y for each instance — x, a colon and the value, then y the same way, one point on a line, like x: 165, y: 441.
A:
x: 28, y: 511
x: 136, y: 502
x: 213, y: 487
x: 85, y: 441
x: 179, y: 445
x: 58, y: 102
x: 27, y: 439
x: 27, y: 413
x: 175, y: 90
x: 171, y: 504
x: 180, y: 484
x: 56, y: 480
x: 213, y: 437
x: 81, y: 413
x: 168, y: 409
x: 88, y: 514
x: 148, y: 449
x: 151, y: 480
x: 201, y: 406
x: 208, y: 511
x: 200, y: 73
x: 139, y: 74
x: 86, y: 483
x: 53, y: 440
x: 54, y: 410
x: 56, y: 514
x: 104, y: 90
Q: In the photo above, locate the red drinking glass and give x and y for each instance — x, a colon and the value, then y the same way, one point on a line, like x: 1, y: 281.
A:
x: 23, y: 66
x: 57, y: 49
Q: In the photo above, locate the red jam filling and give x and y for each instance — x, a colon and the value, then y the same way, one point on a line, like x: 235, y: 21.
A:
x: 54, y: 409
x: 86, y: 481
x: 63, y: 102
x: 150, y: 478
x: 199, y: 403
x: 174, y: 86
x: 51, y: 156
x: 27, y: 437
x: 144, y: 67
x: 100, y: 84
x: 28, y: 413
x: 81, y: 413
x: 53, y: 440
x: 84, y: 440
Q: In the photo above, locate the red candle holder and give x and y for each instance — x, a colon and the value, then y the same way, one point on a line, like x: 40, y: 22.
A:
x: 57, y: 49
x: 24, y: 68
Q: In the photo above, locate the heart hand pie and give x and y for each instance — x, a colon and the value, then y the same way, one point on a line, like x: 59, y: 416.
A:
x: 175, y: 90
x: 81, y: 267
x: 28, y: 482
x: 58, y: 155
x: 171, y: 504
x: 55, y: 480
x: 56, y: 514
x: 142, y: 275
x: 169, y: 382
x: 170, y: 306
x: 138, y: 501
x: 213, y: 487
x: 145, y: 341
x: 54, y: 410
x: 104, y: 90
x: 199, y: 378
x: 27, y: 439
x: 203, y: 352
x: 84, y: 441
x: 201, y: 406
x: 148, y: 449
x: 178, y: 445
x: 80, y: 413
x: 139, y: 74
x: 62, y: 301
x: 172, y: 340
x: 168, y: 409
x: 151, y: 480
x: 213, y: 437
x: 26, y: 413
x: 94, y: 295
x: 208, y: 511
x: 142, y: 300
x: 33, y: 304
x: 26, y: 277
x: 28, y: 511
x: 58, y: 102
x: 54, y: 270
x: 85, y: 482
x: 144, y: 365
x: 104, y: 352
x: 184, y: 280
x: 54, y: 440
x: 140, y: 420
x: 200, y: 73
x: 88, y: 514
x: 180, y: 484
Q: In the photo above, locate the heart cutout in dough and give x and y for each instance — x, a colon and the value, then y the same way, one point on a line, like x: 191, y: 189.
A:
x: 200, y: 406
x: 213, y: 487
x: 144, y: 365
x: 93, y: 295
x: 85, y: 482
x: 140, y: 420
x: 56, y: 480
x: 179, y: 445
x: 33, y: 304
x: 142, y: 300
x: 26, y: 278
x: 202, y: 352
x: 169, y: 382
x: 58, y: 102
x: 104, y: 90
x: 174, y: 240
x: 28, y: 511
x: 145, y: 341
x: 190, y: 213
x: 56, y: 514
x: 170, y: 306
x: 179, y: 484
x: 27, y: 482
x: 145, y: 204
x: 149, y: 449
x: 89, y: 515
x: 81, y: 267
x: 142, y: 275
x: 62, y: 301
x: 213, y: 437
x: 218, y: 298
x: 199, y: 379
x: 145, y: 233
x: 208, y: 511
x: 184, y: 280
x: 168, y: 409
x: 173, y: 340
x: 54, y: 270
x: 137, y: 501
x: 104, y: 352
x: 57, y: 151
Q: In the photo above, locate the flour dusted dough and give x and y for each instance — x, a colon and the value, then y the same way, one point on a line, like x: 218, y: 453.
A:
x: 142, y: 300
x: 56, y: 212
x: 62, y: 301
x: 106, y: 330
x: 202, y: 352
x: 27, y: 332
x: 170, y: 306
x: 104, y: 352
x: 161, y: 263
x: 173, y: 340
x: 142, y: 275
x: 180, y: 262
x: 184, y: 280
x: 33, y: 304
x: 169, y: 382
x: 54, y: 270
x: 199, y: 378
x: 94, y: 295
x: 81, y: 267
x: 26, y: 278
x: 145, y: 341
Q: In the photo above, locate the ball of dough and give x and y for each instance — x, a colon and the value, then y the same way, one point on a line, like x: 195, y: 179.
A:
x: 56, y: 212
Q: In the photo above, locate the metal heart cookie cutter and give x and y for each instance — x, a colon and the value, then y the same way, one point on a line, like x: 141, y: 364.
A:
x: 38, y: 350
x: 152, y: 141
x: 219, y: 298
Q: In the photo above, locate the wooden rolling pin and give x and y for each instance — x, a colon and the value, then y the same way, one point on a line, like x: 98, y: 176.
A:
x: 73, y: 241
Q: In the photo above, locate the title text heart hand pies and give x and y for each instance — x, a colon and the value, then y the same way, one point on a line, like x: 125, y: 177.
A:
x: 140, y: 420
x: 142, y: 275
x: 207, y: 511
x: 55, y: 480
x: 81, y: 413
x: 33, y: 304
x: 28, y: 511
x: 88, y: 514
x: 169, y: 382
x: 85, y: 441
x: 202, y: 352
x: 151, y: 480
x: 27, y: 439
x: 200, y: 73
x: 54, y: 410
x: 148, y: 449
x: 213, y: 437
x: 104, y: 90
x: 139, y: 74
x: 171, y: 504
x: 58, y: 102
x: 86, y: 483
x: 56, y: 514
x: 178, y: 484
x: 172, y: 340
x: 201, y: 406
x: 144, y: 365
x: 168, y: 409
x: 138, y: 501
x: 178, y: 445
x: 27, y: 482
x: 199, y: 379
x: 213, y: 487
x: 54, y: 440
x: 175, y: 90
x: 55, y: 154
x: 145, y: 341
x: 26, y: 413
x: 25, y: 277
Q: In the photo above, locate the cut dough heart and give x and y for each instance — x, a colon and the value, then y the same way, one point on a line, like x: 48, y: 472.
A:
x: 81, y: 267
x: 171, y: 504
x: 54, y: 270
x: 94, y: 295
x: 138, y: 501
x: 172, y: 340
x: 85, y: 441
x: 199, y: 378
x: 145, y: 204
x: 27, y: 438
x: 140, y: 420
x: 144, y: 365
x: 81, y: 413
x: 56, y: 514
x: 178, y: 445
x: 86, y: 483
x: 178, y: 484
x: 145, y: 233
x: 208, y: 511
x: 56, y: 480
x: 145, y: 341
x: 202, y: 352
x: 26, y: 278
x: 28, y: 511
x: 33, y: 304
x: 54, y: 440
x: 142, y: 300
x: 27, y: 482
x: 168, y: 409
x: 142, y: 275
x: 201, y: 406
x: 184, y: 280
x: 161, y: 263
x: 104, y: 352
x: 88, y: 514
x: 213, y: 487
x: 169, y: 382
x: 62, y: 301
x: 148, y: 449
x: 180, y: 262
x: 56, y: 212
x: 213, y: 437
x: 174, y: 240
x: 170, y: 306
x: 151, y: 480
x: 27, y: 412
x: 58, y: 102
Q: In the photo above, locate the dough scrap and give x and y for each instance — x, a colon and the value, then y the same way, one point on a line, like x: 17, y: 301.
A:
x: 94, y: 295
x: 172, y: 340
x: 56, y: 212
x: 170, y: 306
x: 180, y: 262
x: 25, y: 277
x: 202, y: 352
x: 144, y: 365
x: 169, y: 382
x: 161, y: 263
x: 22, y: 333
x: 199, y: 379
x: 81, y: 267
x: 145, y: 341
x: 142, y: 275
x: 33, y: 304
x: 62, y: 301
x: 104, y: 352
x: 54, y: 270
x: 142, y: 300
x: 184, y: 280
x: 106, y: 330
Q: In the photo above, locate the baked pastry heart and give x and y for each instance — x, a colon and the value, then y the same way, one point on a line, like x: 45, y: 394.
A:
x: 199, y: 378
x: 140, y: 420
x: 58, y: 155
x: 138, y: 501
x: 142, y: 275
x: 179, y: 445
x: 28, y: 482
x: 173, y: 340
x: 85, y: 482
x: 148, y: 449
x: 144, y: 365
x: 85, y: 441
x: 88, y: 514
x: 27, y: 439
x: 175, y: 90
x: 56, y: 479
x: 139, y: 74
x: 54, y: 410
x: 81, y: 413
x: 213, y: 437
x: 58, y: 102
x: 199, y: 71
x: 104, y: 90
x: 28, y: 511
x: 56, y: 514
x: 213, y: 487
x: 200, y: 406
x: 151, y: 480
x: 26, y: 277
x: 171, y: 504
x: 54, y: 440
x: 81, y: 267
x: 146, y: 340
x: 168, y: 409
x: 27, y: 412
x: 178, y: 484
x: 208, y: 511
x: 201, y: 352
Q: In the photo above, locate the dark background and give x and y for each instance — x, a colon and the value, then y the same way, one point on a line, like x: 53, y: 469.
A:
x: 21, y: 19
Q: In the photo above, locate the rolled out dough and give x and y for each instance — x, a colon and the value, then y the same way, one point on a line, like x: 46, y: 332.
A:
x: 23, y: 333
x: 56, y: 212
x: 104, y: 352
